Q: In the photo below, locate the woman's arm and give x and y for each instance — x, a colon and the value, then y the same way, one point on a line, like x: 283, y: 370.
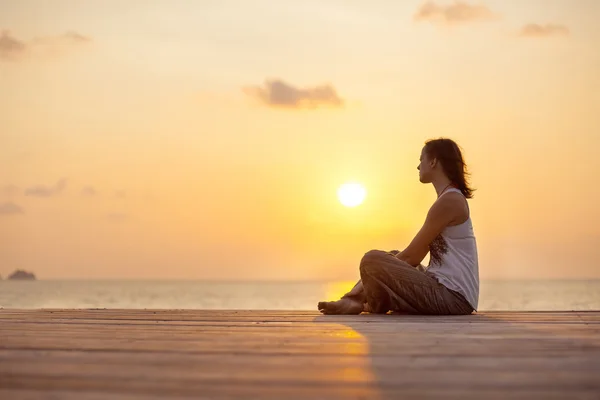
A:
x: 447, y: 209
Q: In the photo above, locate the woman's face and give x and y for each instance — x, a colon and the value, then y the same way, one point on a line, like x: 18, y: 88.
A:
x: 425, y: 167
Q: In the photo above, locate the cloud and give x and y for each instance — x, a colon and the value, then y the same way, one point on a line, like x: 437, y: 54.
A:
x: 117, y: 217
x: 277, y: 93
x: 67, y: 38
x: 10, y: 208
x: 46, y: 191
x: 455, y: 13
x: 10, y: 190
x: 548, y: 30
x: 12, y: 49
x: 76, y: 37
x: 89, y: 191
x: 120, y: 194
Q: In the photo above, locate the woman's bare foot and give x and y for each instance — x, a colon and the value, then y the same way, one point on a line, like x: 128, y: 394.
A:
x: 345, y: 306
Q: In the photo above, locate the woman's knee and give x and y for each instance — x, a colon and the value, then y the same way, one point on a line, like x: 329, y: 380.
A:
x: 371, y: 260
x: 373, y: 256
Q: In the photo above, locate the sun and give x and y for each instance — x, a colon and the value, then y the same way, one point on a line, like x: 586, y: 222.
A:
x: 351, y: 194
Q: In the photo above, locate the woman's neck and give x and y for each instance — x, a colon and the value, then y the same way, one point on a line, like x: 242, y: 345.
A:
x: 441, y: 185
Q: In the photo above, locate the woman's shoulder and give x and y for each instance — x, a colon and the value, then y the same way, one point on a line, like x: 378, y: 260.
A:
x: 455, y: 204
x: 451, y: 198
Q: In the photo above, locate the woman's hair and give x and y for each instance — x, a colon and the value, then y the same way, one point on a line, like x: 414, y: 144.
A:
x: 448, y: 153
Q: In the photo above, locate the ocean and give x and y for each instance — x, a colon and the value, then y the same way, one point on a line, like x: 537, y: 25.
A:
x: 494, y: 295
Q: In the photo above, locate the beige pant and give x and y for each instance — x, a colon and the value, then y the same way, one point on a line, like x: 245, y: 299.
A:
x: 390, y: 284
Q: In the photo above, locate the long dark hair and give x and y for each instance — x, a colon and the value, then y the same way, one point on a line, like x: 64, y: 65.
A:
x: 448, y: 153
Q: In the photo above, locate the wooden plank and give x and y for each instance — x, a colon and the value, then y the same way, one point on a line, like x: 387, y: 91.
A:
x: 364, y: 376
x: 180, y: 382
x: 313, y: 317
x: 313, y: 349
x: 576, y: 364
x: 279, y: 393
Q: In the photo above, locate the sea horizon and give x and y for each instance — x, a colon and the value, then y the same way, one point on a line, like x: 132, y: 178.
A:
x: 274, y: 280
x: 500, y: 295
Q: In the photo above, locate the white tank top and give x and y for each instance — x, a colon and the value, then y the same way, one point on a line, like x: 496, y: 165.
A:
x: 453, y: 259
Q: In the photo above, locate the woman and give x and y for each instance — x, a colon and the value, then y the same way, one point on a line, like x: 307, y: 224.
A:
x: 396, y: 281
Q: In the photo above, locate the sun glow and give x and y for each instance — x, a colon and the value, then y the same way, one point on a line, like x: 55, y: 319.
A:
x: 351, y: 194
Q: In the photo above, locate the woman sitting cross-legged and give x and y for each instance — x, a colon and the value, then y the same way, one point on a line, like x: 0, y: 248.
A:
x: 396, y: 281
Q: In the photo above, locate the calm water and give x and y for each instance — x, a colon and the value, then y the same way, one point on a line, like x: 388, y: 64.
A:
x: 494, y: 295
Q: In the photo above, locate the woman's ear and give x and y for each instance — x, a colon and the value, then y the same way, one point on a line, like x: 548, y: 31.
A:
x: 433, y: 163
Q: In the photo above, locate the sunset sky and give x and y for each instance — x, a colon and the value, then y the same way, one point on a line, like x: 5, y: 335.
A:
x: 207, y: 139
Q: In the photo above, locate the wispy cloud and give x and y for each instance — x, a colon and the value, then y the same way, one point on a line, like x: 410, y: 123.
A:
x: 10, y: 47
x: 76, y: 37
x: 89, y: 191
x: 67, y: 38
x: 10, y: 208
x: 277, y: 93
x: 117, y: 217
x: 46, y: 191
x: 13, y: 49
x: 10, y: 190
x: 456, y: 13
x: 543, y: 31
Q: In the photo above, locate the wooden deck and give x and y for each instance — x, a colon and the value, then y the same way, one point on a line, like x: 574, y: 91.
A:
x: 159, y: 354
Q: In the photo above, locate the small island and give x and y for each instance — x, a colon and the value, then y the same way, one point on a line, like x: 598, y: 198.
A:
x: 21, y: 275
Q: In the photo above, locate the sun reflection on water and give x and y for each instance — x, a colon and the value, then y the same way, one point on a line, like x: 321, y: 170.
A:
x: 335, y: 290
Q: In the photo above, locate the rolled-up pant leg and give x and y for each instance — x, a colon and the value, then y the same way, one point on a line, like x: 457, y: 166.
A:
x: 392, y: 284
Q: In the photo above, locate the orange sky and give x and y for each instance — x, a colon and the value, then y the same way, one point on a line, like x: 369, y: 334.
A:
x: 207, y: 140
